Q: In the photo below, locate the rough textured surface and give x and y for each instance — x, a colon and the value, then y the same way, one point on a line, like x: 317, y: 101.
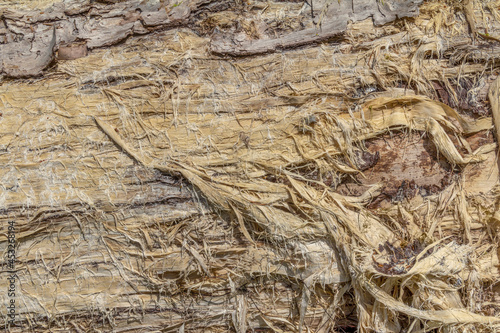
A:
x: 28, y: 43
x: 407, y: 164
x: 159, y: 184
x: 331, y: 17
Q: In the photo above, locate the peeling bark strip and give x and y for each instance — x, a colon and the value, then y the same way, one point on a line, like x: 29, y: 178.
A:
x: 336, y: 16
x: 28, y: 44
x: 232, y: 45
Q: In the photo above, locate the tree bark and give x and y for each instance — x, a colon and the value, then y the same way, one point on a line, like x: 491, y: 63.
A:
x: 186, y: 166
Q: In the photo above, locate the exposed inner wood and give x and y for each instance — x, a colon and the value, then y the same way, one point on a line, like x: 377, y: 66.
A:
x: 408, y: 165
x: 289, y: 166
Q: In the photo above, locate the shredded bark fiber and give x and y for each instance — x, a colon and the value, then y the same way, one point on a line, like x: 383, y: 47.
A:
x: 287, y: 166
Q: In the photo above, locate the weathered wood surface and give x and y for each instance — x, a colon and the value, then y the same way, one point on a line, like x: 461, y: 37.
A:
x: 29, y: 41
x: 331, y: 17
x: 107, y: 241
